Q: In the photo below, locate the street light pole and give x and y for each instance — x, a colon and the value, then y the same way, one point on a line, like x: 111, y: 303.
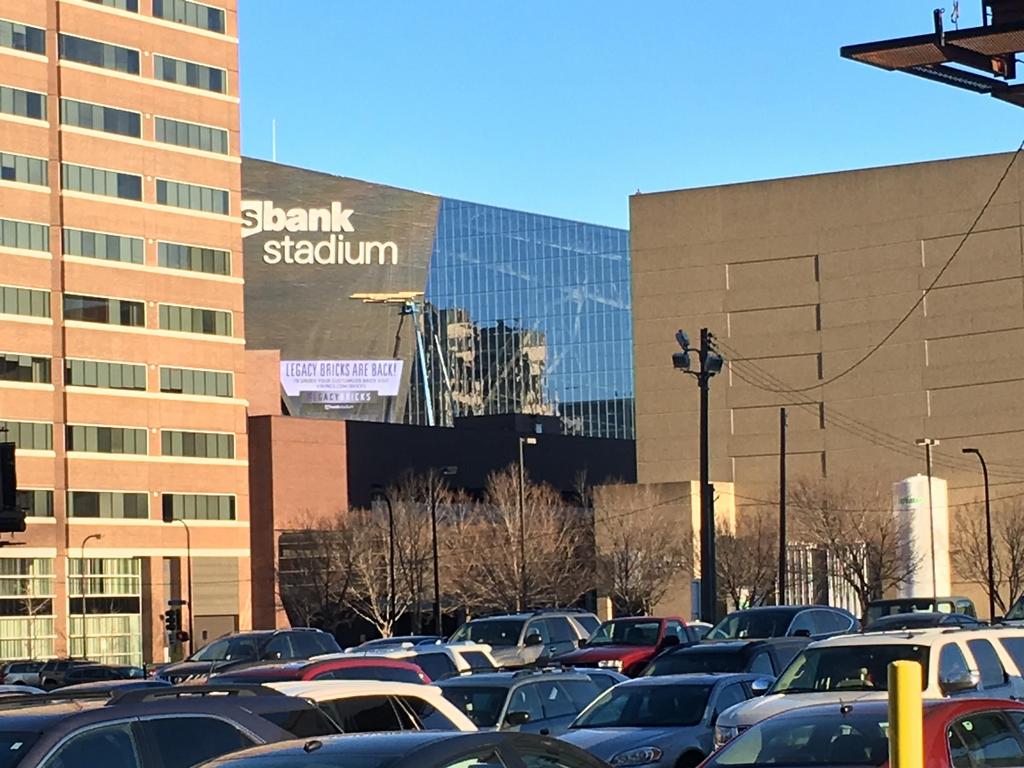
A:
x: 928, y: 442
x: 380, y: 493
x: 85, y: 591
x: 191, y: 606
x: 522, y: 520
x: 988, y: 537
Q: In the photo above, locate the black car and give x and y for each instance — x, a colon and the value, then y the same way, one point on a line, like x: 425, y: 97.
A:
x: 91, y: 673
x: 53, y: 672
x: 759, y: 657
x: 814, y: 621
x: 250, y: 648
x: 422, y: 749
x: 922, y: 620
x: 165, y: 728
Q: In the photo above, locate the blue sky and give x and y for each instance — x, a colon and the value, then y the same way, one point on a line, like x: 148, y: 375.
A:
x: 567, y: 107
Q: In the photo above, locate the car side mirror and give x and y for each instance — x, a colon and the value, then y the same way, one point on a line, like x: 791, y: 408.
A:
x: 761, y: 686
x: 668, y: 641
x: 533, y: 640
x: 802, y: 633
x: 959, y: 682
x: 581, y: 643
x: 517, y: 718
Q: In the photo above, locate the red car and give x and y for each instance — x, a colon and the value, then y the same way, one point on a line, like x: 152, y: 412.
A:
x: 958, y: 733
x: 363, y: 668
x: 628, y: 644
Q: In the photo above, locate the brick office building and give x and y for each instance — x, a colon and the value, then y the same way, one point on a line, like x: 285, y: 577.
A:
x: 121, y: 332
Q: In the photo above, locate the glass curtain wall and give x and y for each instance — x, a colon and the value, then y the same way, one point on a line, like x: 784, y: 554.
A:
x: 526, y: 314
x: 112, y: 590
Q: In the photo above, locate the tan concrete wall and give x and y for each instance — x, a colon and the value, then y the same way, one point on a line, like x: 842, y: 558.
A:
x: 800, y: 277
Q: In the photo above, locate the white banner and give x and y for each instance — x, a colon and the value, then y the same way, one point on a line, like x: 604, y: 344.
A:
x: 341, y: 381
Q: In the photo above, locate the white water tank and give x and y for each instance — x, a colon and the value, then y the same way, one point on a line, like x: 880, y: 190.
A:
x: 924, y: 530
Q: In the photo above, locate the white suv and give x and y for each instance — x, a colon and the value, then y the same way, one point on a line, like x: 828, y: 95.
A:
x: 956, y: 662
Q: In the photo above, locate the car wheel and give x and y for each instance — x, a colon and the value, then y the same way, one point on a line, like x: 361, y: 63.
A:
x: 690, y: 760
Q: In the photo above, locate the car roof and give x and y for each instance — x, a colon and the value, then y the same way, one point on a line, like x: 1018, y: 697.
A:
x: 881, y: 707
x: 320, y: 689
x: 792, y: 609
x: 902, y: 600
x: 921, y: 636
x: 714, y: 646
x: 372, y: 744
x: 511, y: 678
x: 30, y: 713
x: 700, y: 678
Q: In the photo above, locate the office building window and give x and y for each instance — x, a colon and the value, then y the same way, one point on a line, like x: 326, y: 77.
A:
x: 190, y: 73
x: 192, y: 196
x: 15, y: 101
x: 29, y: 435
x: 194, y: 258
x: 22, y: 37
x: 99, y: 118
x: 187, y: 12
x: 96, y: 181
x: 126, y: 506
x: 189, y: 381
x: 198, y: 506
x: 24, y: 235
x: 190, y: 135
x: 96, y: 309
x: 91, y: 373
x: 124, y: 5
x: 194, y: 320
x: 25, y: 368
x: 24, y: 301
x: 105, y: 607
x: 200, y: 445
x: 99, y: 245
x: 99, y: 54
x: 25, y: 170
x: 26, y: 608
x: 90, y: 439
x: 36, y: 503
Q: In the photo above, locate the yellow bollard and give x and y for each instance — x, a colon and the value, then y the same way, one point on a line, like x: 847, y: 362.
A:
x: 906, y: 713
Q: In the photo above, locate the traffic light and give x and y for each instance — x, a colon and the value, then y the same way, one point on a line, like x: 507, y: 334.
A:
x: 172, y: 620
x: 12, y: 518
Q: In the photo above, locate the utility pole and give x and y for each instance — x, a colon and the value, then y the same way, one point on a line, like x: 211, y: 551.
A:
x: 782, y: 508
x: 928, y: 443
x: 710, y: 364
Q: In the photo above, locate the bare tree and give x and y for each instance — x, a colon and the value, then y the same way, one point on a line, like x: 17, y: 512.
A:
x: 970, y: 549
x: 747, y: 558
x: 641, y: 548
x: 315, y: 570
x: 869, y: 548
x: 370, y: 596
x: 484, y: 540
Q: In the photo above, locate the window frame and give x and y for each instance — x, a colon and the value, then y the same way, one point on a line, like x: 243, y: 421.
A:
x: 60, y: 51
x: 165, y: 57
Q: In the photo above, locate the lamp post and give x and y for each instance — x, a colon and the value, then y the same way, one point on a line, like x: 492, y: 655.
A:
x: 85, y: 591
x: 168, y: 517
x: 445, y: 472
x: 988, y: 537
x: 379, y: 493
x: 522, y: 520
x: 928, y: 443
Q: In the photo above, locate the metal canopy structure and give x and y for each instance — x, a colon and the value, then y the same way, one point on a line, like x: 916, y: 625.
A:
x: 979, y: 59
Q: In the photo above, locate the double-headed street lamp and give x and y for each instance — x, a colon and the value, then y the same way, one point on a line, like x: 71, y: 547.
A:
x: 522, y: 520
x: 927, y: 443
x: 988, y: 537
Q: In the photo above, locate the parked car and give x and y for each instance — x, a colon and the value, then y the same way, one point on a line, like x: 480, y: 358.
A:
x: 766, y: 658
x: 400, y: 641
x: 666, y: 720
x: 364, y: 706
x: 816, y: 621
x: 957, y: 734
x: 357, y: 668
x: 113, y: 687
x: 492, y: 749
x: 53, y: 672
x: 628, y: 644
x: 956, y: 662
x: 249, y: 648
x: 921, y: 620
x: 537, y: 701
x: 20, y: 673
x: 879, y: 608
x: 171, y: 727
x: 700, y: 628
x: 438, y: 662
x: 603, y: 677
x: 19, y: 689
x: 522, y: 639
x: 88, y: 673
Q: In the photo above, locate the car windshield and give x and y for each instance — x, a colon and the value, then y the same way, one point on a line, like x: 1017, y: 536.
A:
x: 745, y: 624
x: 847, y: 668
x: 823, y: 739
x: 482, y: 704
x: 228, y: 649
x: 698, y: 660
x: 14, y: 745
x: 496, y: 632
x: 626, y: 632
x: 646, y: 706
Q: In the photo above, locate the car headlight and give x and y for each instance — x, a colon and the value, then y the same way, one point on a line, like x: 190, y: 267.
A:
x: 639, y: 756
x: 615, y: 664
x: 724, y: 734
